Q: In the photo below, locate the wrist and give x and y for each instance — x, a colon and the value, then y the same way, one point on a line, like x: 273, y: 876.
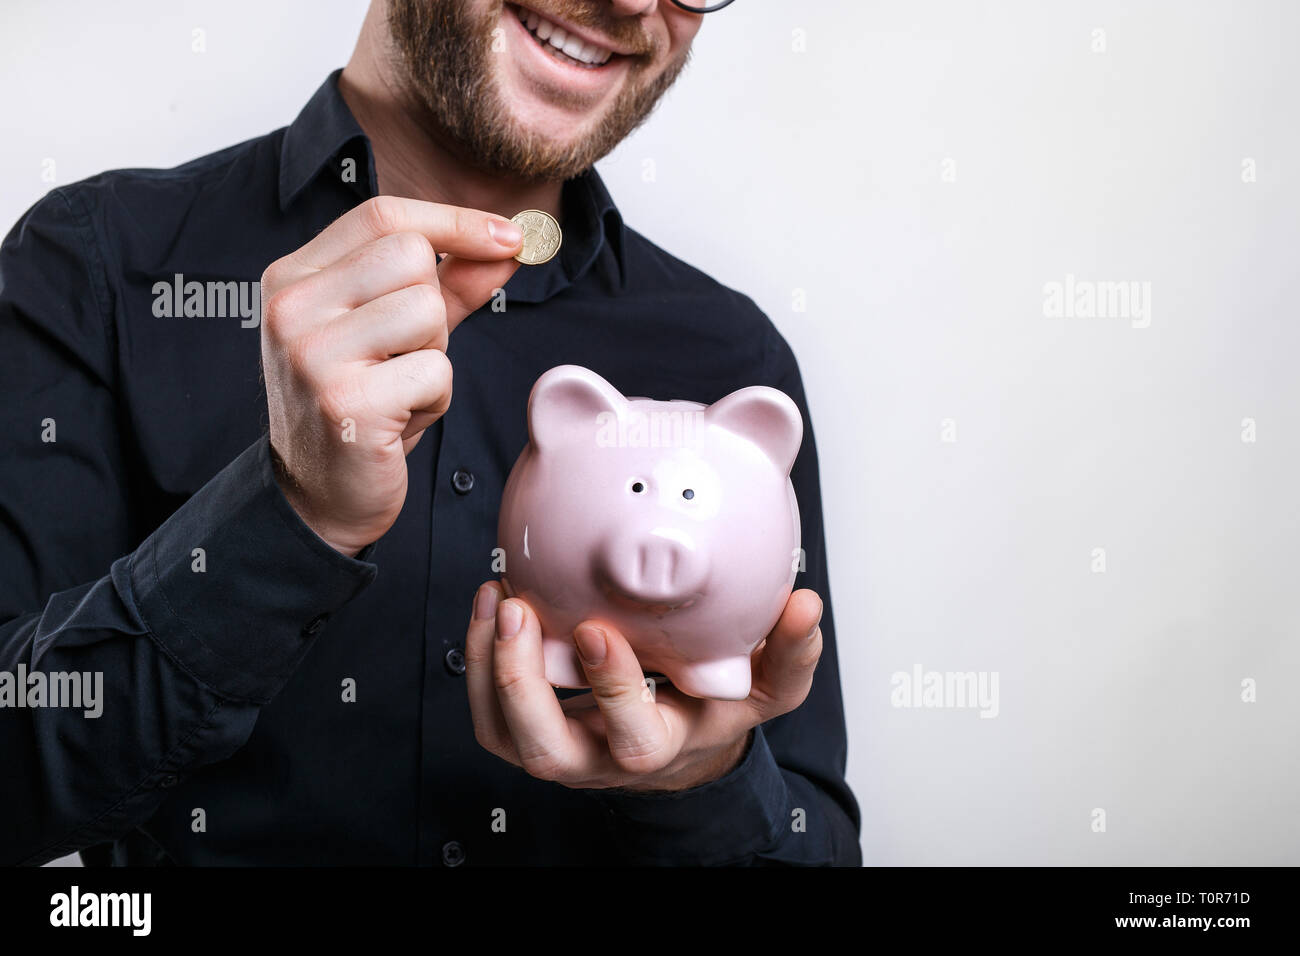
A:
x: 715, y: 767
x: 293, y: 494
x: 732, y: 757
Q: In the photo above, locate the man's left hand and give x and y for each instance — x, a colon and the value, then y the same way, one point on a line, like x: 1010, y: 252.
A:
x: 622, y: 734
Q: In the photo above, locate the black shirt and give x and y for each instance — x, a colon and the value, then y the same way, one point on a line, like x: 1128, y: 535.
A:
x: 143, y: 536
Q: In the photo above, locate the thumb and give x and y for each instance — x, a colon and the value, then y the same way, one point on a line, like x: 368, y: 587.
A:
x: 783, y: 672
x: 467, y: 285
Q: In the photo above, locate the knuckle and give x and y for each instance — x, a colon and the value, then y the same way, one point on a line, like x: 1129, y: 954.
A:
x: 426, y: 300
x: 413, y: 252
x: 463, y: 221
x: 444, y: 392
x: 615, y: 694
x: 642, y: 759
x: 509, y: 681
x: 273, y: 277
x: 437, y: 371
x: 543, y: 765
x: 337, y: 400
x: 475, y: 655
x: 810, y: 654
x: 381, y: 214
x: 421, y: 374
x: 278, y: 311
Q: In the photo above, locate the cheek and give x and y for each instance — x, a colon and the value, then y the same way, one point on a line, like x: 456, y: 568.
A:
x: 681, y: 26
x: 676, y: 33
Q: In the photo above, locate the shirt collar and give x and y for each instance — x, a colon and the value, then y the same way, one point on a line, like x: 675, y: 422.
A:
x: 322, y: 130
x: 326, y: 127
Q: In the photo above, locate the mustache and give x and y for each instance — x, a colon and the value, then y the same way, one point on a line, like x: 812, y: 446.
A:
x: 626, y: 32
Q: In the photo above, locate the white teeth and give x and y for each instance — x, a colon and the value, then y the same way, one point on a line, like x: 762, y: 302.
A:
x: 566, y: 43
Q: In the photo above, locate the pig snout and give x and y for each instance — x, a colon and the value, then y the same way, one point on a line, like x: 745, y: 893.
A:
x: 659, y: 567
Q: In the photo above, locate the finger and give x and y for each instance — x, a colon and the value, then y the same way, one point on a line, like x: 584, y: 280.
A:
x: 639, y: 737
x: 403, y: 321
x: 367, y: 272
x: 547, y: 749
x: 783, y: 672
x: 467, y: 285
x: 490, y: 728
x: 585, y: 701
x: 471, y: 233
x: 413, y: 389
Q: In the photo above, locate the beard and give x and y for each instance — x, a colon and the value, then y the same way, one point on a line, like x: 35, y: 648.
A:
x: 443, y: 49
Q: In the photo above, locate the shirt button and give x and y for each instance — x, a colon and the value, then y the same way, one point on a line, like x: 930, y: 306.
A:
x: 455, y: 661
x: 453, y: 854
x: 462, y: 481
x: 314, y: 625
x: 168, y: 781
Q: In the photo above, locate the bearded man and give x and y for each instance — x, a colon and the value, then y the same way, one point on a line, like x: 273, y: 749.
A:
x: 274, y: 537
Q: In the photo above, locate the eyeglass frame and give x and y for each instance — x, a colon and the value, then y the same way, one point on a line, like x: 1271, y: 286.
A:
x: 711, y: 8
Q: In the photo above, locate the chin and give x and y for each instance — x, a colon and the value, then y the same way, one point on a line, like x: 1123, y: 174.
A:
x: 555, y: 133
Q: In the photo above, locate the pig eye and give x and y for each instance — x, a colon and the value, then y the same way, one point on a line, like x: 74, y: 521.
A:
x: 688, y: 494
x: 637, y: 487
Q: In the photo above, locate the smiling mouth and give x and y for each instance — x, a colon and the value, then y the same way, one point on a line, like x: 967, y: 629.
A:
x: 561, y: 45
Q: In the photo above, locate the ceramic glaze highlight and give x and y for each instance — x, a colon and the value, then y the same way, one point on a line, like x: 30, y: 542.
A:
x: 674, y: 522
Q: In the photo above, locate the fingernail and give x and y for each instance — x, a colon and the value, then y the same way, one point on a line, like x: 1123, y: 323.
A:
x: 591, y: 644
x: 485, y: 602
x: 505, y: 232
x: 817, y: 623
x: 510, y: 617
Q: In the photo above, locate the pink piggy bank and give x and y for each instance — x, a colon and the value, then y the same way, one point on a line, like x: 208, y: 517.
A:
x: 674, y: 522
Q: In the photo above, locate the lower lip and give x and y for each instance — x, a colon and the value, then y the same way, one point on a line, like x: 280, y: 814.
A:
x: 572, y: 76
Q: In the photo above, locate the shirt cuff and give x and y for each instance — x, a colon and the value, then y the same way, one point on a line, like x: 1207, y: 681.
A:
x: 725, y: 821
x: 240, y: 616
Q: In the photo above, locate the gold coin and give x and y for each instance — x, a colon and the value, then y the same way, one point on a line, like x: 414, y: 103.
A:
x: 541, y: 236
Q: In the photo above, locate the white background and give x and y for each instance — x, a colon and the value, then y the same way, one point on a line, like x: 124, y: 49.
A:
x: 823, y: 170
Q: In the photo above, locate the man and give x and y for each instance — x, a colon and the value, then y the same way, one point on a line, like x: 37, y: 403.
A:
x: 272, y: 549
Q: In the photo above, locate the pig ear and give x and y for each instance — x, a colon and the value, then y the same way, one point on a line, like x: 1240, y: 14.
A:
x: 765, y: 416
x: 571, y: 403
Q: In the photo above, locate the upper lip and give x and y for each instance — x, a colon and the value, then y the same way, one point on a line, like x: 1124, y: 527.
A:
x: 583, y: 34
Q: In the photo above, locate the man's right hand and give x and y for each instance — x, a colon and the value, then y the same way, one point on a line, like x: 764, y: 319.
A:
x: 354, y: 332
